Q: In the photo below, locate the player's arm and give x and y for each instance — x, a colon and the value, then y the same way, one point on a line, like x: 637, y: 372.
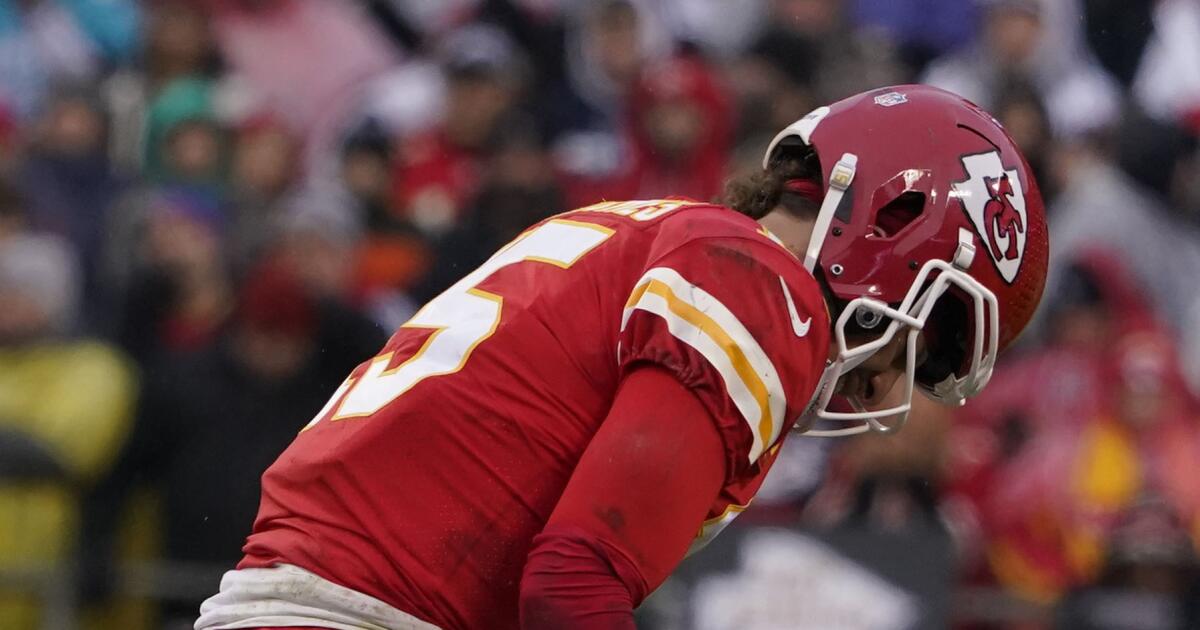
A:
x: 629, y: 512
x: 717, y: 350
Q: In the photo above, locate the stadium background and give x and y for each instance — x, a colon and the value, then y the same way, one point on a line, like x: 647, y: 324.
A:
x: 210, y: 210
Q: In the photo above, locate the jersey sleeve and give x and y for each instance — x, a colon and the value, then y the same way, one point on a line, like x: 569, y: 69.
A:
x: 738, y: 321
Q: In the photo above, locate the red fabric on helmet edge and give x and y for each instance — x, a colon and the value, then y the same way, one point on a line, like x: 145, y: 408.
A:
x: 808, y: 189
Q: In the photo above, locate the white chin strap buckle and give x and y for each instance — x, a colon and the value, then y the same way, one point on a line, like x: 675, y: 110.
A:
x: 964, y: 254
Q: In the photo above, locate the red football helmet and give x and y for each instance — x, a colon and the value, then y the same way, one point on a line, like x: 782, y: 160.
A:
x: 930, y: 221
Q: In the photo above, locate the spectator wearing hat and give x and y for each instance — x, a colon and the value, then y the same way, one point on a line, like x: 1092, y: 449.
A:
x: 366, y: 162
x: 65, y: 406
x: 437, y: 173
x: 172, y: 281
x: 69, y: 181
x: 165, y: 258
x: 346, y: 242
x: 322, y: 242
x: 607, y: 45
x: 185, y: 143
x: 178, y: 48
x: 263, y: 170
x: 680, y: 127
x: 518, y: 190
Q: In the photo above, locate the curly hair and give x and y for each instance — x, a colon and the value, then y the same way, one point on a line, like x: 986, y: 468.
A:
x: 757, y: 193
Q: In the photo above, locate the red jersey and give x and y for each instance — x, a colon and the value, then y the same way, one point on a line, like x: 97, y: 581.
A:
x: 425, y: 478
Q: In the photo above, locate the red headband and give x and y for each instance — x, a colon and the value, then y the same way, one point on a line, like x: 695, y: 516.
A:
x: 805, y: 188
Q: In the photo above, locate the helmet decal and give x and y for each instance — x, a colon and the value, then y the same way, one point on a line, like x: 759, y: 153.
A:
x: 890, y: 99
x: 994, y: 200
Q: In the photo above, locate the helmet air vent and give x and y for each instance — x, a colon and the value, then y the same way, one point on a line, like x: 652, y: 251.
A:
x: 899, y: 213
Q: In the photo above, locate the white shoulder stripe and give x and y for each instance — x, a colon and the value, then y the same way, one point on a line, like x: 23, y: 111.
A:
x: 701, y: 321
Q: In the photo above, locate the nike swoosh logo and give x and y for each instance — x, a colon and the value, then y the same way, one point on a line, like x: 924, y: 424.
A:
x: 800, y: 327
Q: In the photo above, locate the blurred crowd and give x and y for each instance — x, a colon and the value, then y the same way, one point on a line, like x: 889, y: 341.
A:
x: 211, y: 210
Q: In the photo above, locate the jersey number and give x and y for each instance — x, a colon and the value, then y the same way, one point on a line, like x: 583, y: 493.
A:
x: 461, y: 318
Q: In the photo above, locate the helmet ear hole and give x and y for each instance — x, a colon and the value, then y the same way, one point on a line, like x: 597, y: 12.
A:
x: 867, y: 319
x: 899, y: 213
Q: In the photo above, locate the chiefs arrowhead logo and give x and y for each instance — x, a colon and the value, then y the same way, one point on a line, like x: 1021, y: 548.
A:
x: 992, y: 197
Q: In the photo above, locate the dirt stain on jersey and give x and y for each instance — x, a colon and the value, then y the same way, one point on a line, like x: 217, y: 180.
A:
x: 734, y: 254
x: 612, y: 517
x: 726, y: 255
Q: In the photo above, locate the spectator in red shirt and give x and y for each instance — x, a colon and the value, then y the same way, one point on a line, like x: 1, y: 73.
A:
x: 680, y: 127
x: 437, y: 173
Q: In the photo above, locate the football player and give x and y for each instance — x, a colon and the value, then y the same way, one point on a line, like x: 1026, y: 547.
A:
x: 542, y: 443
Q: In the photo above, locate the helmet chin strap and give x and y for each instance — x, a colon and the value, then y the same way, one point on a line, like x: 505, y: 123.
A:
x: 839, y: 180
